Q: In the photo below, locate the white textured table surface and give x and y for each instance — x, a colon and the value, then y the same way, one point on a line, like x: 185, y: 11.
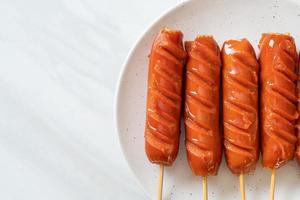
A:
x: 59, y: 65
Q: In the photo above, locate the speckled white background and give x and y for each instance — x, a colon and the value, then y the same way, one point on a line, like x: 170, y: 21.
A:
x: 59, y: 64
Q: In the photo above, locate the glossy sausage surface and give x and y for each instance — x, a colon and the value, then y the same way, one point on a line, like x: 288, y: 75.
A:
x: 202, y: 92
x: 278, y: 61
x: 297, y: 153
x: 164, y: 97
x: 240, y: 105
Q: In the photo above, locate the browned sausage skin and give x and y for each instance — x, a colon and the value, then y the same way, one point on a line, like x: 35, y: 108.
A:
x: 202, y: 93
x: 278, y: 60
x: 297, y: 153
x: 240, y: 105
x: 164, y: 97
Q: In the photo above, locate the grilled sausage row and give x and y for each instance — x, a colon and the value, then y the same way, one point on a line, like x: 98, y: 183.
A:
x: 273, y: 75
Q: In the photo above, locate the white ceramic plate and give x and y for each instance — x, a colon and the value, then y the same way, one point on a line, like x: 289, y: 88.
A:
x: 224, y: 19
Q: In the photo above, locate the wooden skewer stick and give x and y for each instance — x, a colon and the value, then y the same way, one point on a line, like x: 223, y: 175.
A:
x: 242, y: 187
x: 272, y: 186
x: 160, y: 182
x: 204, y: 188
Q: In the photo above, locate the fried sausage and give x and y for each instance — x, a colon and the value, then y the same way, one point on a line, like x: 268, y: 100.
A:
x: 240, y: 105
x: 297, y: 153
x: 164, y: 97
x: 202, y: 91
x: 278, y: 60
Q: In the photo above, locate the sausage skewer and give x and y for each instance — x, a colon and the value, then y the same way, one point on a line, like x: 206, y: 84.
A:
x: 240, y: 107
x: 278, y: 61
x: 160, y: 182
x: 272, y: 185
x: 242, y: 187
x: 204, y: 188
x: 203, y: 141
x: 164, y: 98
